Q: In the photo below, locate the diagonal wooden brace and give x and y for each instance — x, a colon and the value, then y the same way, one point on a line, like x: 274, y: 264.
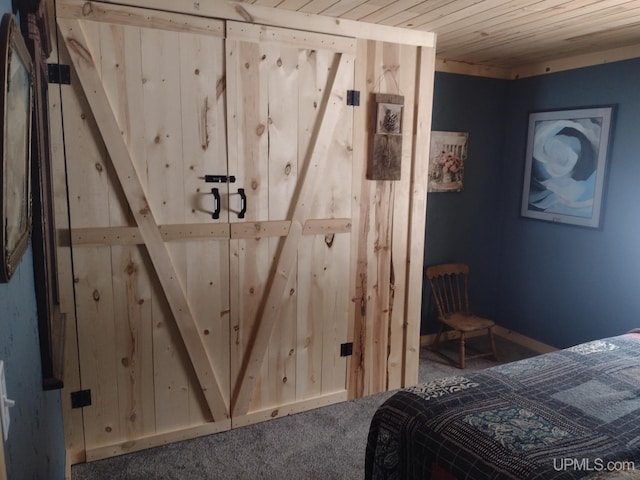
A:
x: 301, y: 203
x: 76, y: 42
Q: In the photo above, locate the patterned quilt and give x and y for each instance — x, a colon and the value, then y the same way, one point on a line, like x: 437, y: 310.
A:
x: 573, y: 413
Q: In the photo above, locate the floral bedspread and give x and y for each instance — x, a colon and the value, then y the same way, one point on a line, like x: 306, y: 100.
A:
x: 574, y: 413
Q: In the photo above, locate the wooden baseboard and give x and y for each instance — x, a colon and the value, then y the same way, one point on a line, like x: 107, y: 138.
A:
x: 67, y: 466
x: 523, y: 340
x: 515, y: 337
x: 157, y: 440
x: 290, y: 408
x: 3, y: 467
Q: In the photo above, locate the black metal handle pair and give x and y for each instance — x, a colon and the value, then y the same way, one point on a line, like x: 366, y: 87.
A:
x: 216, y: 203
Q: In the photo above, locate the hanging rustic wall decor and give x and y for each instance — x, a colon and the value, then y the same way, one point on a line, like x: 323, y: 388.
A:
x: 386, y: 151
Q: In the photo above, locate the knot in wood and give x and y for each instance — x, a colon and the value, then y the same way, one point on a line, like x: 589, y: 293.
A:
x: 96, y: 295
x: 80, y: 50
x: 260, y: 129
x: 131, y: 268
x: 87, y: 9
x: 244, y: 14
x: 328, y: 239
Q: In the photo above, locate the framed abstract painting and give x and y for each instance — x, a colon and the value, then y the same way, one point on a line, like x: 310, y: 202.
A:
x: 565, y: 165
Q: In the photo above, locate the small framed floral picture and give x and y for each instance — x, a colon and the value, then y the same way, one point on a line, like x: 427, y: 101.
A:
x: 565, y: 165
x: 447, y: 155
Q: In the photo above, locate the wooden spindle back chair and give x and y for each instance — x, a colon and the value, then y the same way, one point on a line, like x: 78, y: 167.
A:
x: 450, y: 289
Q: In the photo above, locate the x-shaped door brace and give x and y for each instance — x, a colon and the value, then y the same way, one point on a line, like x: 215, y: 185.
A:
x: 77, y: 44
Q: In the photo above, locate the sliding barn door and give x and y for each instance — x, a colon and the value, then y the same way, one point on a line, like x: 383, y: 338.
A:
x: 209, y: 175
x: 290, y: 148
x: 144, y: 124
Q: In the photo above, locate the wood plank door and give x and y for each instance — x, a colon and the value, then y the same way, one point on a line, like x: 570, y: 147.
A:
x: 200, y: 308
x: 290, y: 138
x: 144, y: 123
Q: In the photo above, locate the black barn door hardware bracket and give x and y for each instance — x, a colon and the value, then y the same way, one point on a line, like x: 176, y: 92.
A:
x: 219, y: 179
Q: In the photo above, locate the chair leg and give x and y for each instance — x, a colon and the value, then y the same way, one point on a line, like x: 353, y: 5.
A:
x: 493, y: 344
x: 436, y: 343
x: 462, y: 350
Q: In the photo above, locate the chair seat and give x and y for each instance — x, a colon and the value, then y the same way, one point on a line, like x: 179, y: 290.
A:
x: 467, y: 322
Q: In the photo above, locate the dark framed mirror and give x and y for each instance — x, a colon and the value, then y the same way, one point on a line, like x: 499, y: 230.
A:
x: 16, y: 104
x: 35, y: 24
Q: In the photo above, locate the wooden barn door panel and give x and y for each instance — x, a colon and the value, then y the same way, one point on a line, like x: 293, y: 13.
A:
x: 186, y: 321
x: 151, y: 264
x: 290, y: 147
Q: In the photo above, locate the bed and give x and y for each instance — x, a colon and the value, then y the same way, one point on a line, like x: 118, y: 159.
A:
x: 573, y: 413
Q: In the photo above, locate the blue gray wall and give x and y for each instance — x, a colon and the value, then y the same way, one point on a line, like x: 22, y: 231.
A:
x: 556, y: 283
x: 35, y: 447
x: 465, y: 226
x: 563, y: 284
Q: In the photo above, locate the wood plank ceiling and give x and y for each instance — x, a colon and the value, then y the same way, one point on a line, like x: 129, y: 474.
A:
x: 507, y: 38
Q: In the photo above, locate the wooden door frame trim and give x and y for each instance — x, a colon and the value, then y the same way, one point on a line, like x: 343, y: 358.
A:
x: 260, y: 15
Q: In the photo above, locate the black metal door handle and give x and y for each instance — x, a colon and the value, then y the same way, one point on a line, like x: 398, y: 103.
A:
x: 243, y: 203
x: 216, y: 203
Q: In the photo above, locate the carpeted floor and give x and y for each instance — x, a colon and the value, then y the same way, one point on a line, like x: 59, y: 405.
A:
x: 326, y: 443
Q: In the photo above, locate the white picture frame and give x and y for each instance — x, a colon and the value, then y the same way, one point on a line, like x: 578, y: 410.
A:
x: 565, y: 165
